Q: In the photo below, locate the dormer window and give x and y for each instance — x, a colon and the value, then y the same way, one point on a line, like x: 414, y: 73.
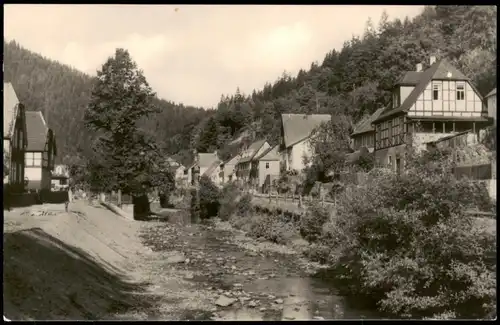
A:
x: 460, y: 91
x: 436, y: 90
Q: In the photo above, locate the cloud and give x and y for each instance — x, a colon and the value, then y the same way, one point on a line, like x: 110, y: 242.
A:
x: 194, y: 54
x: 89, y: 57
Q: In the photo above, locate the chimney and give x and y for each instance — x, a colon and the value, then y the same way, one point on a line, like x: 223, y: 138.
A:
x: 432, y: 60
x: 419, y: 67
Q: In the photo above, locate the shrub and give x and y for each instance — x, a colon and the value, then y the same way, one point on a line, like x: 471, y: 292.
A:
x: 311, y: 224
x: 244, y: 206
x: 275, y: 228
x: 209, y: 198
x: 407, y: 242
x: 229, y: 197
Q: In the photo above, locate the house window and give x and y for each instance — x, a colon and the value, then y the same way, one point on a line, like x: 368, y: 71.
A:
x: 460, y: 91
x: 390, y: 161
x: 33, y: 159
x: 267, y: 165
x: 435, y: 92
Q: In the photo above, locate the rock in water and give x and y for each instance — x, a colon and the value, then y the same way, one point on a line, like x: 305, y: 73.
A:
x: 224, y: 301
x: 176, y: 257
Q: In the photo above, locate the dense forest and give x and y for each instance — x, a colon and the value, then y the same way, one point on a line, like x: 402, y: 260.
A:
x: 353, y: 82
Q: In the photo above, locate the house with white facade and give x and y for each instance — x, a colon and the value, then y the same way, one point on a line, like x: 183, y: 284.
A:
x: 60, y: 177
x: 229, y: 169
x: 427, y: 105
x: 244, y: 166
x: 296, y: 130
x: 267, y: 168
x: 202, y: 162
x: 179, y: 172
x: 215, y: 173
x: 40, y: 153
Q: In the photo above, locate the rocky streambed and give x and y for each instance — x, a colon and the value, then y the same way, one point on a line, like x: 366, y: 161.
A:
x: 245, y: 279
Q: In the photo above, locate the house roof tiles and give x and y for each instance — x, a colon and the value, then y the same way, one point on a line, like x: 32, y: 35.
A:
x: 37, y: 131
x: 253, y: 148
x: 269, y: 154
x: 297, y: 127
x: 205, y: 160
x: 366, y: 124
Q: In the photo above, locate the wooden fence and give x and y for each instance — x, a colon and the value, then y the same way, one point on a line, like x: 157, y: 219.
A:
x: 292, y: 200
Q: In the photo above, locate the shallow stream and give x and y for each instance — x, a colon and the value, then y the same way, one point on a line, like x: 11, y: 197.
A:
x: 254, y: 285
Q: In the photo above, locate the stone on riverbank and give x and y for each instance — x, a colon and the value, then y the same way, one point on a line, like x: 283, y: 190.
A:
x: 224, y: 301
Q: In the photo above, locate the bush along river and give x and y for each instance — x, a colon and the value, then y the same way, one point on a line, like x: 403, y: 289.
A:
x: 249, y: 279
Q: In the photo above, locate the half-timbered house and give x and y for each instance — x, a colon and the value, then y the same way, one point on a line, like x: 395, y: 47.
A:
x: 426, y: 106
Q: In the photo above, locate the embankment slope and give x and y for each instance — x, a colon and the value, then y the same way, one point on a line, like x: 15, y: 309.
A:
x: 73, y: 266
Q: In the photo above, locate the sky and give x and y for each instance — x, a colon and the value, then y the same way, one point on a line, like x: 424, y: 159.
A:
x: 192, y: 54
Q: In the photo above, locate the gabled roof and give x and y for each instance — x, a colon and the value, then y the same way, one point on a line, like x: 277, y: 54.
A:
x: 233, y: 161
x: 253, y: 148
x: 493, y: 92
x: 297, y: 127
x: 269, y: 154
x: 37, y: 131
x: 10, y: 107
x: 205, y: 160
x: 410, y: 78
x: 211, y: 168
x: 440, y: 70
x: 366, y: 124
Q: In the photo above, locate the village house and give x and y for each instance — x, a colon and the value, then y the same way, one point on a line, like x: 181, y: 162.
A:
x: 179, y: 172
x: 15, y: 138
x: 296, y: 130
x: 202, y: 162
x: 229, y: 169
x: 426, y: 106
x: 491, y: 103
x: 40, y: 152
x: 364, y: 132
x: 244, y: 166
x: 267, y: 167
x: 215, y: 173
x: 60, y: 177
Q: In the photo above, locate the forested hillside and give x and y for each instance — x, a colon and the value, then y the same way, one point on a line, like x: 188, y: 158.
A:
x: 357, y: 79
x: 63, y: 93
x: 353, y: 81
